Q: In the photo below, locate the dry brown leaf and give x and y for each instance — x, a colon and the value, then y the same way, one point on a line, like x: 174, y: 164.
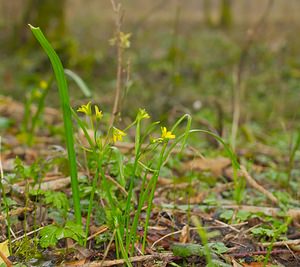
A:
x: 14, y: 109
x: 215, y: 166
x: 185, y: 235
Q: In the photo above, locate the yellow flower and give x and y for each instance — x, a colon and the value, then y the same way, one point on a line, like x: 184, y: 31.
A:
x: 165, y: 134
x: 123, y: 39
x: 43, y: 84
x: 98, y: 113
x: 118, y: 135
x: 142, y: 114
x: 86, y: 109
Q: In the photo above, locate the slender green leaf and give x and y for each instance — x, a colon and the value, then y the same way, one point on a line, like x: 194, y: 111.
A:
x: 81, y: 84
x: 65, y: 105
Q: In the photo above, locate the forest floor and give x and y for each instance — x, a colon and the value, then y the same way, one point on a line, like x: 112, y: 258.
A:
x: 195, y: 206
x: 206, y: 175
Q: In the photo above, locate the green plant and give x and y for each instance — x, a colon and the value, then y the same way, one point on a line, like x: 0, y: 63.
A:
x: 36, y: 95
x: 51, y: 234
x: 239, y: 183
x: 65, y: 105
x: 150, y: 155
x: 276, y: 233
x: 293, y: 150
x: 26, y: 248
x: 204, y: 239
x: 101, y: 148
x: 4, y: 199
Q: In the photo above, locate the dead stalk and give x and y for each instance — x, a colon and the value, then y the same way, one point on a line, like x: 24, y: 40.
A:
x: 119, y: 17
x: 257, y: 186
x: 237, y: 79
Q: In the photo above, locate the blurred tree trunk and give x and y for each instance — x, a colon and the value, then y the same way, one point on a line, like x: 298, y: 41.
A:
x: 207, y: 12
x: 226, y: 13
x: 49, y: 15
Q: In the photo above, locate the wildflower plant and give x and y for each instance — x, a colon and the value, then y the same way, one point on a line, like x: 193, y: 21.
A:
x: 36, y: 96
x: 143, y: 164
x: 150, y: 155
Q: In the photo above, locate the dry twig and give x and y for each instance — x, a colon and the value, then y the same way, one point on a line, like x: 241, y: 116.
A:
x: 294, y: 242
x: 157, y: 256
x: 257, y: 186
x: 237, y: 96
x: 119, y: 18
x: 5, y: 260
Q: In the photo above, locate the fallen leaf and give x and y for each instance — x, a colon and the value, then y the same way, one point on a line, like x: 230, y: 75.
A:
x: 4, y: 251
x: 215, y: 166
x: 185, y: 234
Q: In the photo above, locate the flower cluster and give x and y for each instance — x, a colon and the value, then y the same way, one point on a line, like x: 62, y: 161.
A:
x: 123, y: 40
x: 142, y: 114
x: 117, y: 134
x: 87, y: 110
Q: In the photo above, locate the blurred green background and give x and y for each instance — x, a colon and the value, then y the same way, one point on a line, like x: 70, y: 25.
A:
x: 185, y: 56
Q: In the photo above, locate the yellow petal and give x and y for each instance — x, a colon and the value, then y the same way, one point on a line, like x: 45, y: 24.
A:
x: 165, y: 134
x: 86, y: 109
x: 98, y: 113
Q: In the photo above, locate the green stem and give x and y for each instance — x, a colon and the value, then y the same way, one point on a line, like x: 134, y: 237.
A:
x: 133, y: 233
x: 154, y: 181
x: 132, y: 178
x: 38, y: 112
x: 94, y: 184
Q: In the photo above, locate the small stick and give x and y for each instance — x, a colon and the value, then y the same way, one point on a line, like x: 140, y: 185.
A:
x: 108, y: 247
x: 223, y: 225
x: 5, y: 259
x: 27, y: 234
x: 119, y: 17
x: 170, y: 234
x: 227, y: 225
x: 102, y: 230
x: 282, y: 243
x: 157, y: 256
x: 263, y: 252
x: 257, y: 186
x: 108, y: 177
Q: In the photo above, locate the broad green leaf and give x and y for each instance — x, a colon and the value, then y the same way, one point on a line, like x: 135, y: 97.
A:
x: 226, y: 215
x: 49, y: 236
x: 187, y: 250
x: 218, y: 247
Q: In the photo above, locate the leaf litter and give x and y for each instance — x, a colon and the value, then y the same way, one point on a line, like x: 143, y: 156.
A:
x: 239, y: 235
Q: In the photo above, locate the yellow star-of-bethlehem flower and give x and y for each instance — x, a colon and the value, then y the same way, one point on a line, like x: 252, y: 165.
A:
x: 98, y: 113
x: 124, y: 39
x: 165, y: 134
x: 142, y: 114
x: 118, y: 134
x: 86, y: 109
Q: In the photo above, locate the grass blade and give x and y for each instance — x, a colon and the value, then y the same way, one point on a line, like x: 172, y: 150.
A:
x: 65, y: 105
x: 80, y: 83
